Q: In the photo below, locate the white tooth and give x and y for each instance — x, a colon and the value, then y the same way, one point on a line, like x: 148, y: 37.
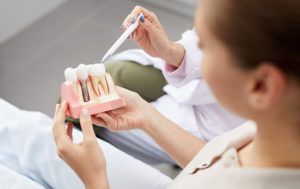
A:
x: 104, y: 84
x: 98, y: 70
x: 70, y: 74
x: 98, y: 75
x: 94, y: 78
x: 82, y: 72
x: 95, y: 81
x: 90, y: 69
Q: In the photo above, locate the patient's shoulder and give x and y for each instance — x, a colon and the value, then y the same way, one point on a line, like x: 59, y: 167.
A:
x: 235, y: 138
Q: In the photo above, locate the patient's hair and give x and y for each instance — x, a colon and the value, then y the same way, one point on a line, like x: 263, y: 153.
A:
x: 260, y: 30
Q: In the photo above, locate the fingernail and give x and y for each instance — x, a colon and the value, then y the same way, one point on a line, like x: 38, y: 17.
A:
x: 85, y: 112
x: 122, y: 26
x: 132, y: 20
x: 142, y: 18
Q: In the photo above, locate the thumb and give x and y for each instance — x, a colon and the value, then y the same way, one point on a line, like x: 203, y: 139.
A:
x: 86, y: 124
x: 122, y: 91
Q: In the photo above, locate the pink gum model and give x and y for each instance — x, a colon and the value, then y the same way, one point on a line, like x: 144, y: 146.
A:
x: 75, y: 106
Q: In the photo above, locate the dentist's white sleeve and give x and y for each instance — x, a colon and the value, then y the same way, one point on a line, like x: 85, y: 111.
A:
x: 186, y: 84
x: 28, y: 148
x: 190, y: 67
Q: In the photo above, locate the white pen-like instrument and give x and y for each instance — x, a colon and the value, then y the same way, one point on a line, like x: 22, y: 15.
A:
x: 122, y: 38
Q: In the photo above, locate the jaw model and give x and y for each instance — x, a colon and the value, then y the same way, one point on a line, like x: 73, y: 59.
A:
x: 88, y: 86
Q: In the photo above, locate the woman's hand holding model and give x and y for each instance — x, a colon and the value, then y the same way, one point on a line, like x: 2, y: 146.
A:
x: 139, y: 114
x: 85, y: 158
x: 150, y: 36
x: 135, y: 115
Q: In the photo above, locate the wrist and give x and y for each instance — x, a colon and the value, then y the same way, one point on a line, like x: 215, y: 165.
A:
x: 175, y: 54
x: 97, y: 182
x: 148, y: 111
x: 152, y: 119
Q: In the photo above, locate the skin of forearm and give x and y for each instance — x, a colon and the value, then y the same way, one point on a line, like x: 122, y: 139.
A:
x: 179, y: 144
x: 175, y: 54
x: 97, y: 182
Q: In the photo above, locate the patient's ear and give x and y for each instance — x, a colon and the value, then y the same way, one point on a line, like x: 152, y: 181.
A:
x: 266, y: 86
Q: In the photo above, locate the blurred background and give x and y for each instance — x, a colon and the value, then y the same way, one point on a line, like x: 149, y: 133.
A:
x: 40, y: 38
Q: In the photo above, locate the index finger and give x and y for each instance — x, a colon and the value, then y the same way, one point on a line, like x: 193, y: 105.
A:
x: 86, y: 125
x: 61, y: 114
x: 59, y: 121
x: 135, y: 13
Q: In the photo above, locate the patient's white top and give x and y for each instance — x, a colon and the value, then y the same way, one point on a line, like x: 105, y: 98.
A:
x: 217, y: 166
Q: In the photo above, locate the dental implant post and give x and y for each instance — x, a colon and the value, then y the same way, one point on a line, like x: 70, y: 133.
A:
x: 82, y: 73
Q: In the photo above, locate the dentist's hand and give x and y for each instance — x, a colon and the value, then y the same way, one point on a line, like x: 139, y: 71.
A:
x: 85, y: 158
x: 150, y: 36
x: 135, y: 115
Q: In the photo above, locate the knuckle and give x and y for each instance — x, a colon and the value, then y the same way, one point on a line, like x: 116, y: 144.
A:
x: 135, y: 95
x: 137, y: 7
x: 84, y: 122
x: 61, y: 149
x: 126, y: 18
x: 153, y: 15
x: 54, y: 122
x: 59, y: 154
x: 54, y: 127
x: 109, y: 127
x: 89, y: 141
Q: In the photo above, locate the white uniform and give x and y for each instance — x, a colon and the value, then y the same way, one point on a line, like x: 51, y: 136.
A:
x: 188, y: 102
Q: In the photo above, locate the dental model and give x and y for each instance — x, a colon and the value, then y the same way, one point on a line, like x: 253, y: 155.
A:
x: 88, y: 86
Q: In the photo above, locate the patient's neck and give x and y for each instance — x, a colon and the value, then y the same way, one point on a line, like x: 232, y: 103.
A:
x: 276, y: 144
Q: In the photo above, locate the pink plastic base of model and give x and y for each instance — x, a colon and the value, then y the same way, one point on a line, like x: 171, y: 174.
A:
x: 68, y: 94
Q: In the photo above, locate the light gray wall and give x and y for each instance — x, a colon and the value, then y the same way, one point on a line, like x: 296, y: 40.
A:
x: 183, y: 7
x: 15, y: 15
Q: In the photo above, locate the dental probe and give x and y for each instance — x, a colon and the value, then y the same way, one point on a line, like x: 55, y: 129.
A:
x: 122, y: 38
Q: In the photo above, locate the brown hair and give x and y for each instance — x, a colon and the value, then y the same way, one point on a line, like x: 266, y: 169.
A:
x: 260, y: 30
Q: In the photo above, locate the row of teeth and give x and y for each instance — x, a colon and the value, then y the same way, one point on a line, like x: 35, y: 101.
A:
x: 97, y: 77
x: 83, y: 71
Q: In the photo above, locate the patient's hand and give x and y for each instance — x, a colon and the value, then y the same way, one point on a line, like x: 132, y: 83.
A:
x: 85, y: 158
x: 134, y: 115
